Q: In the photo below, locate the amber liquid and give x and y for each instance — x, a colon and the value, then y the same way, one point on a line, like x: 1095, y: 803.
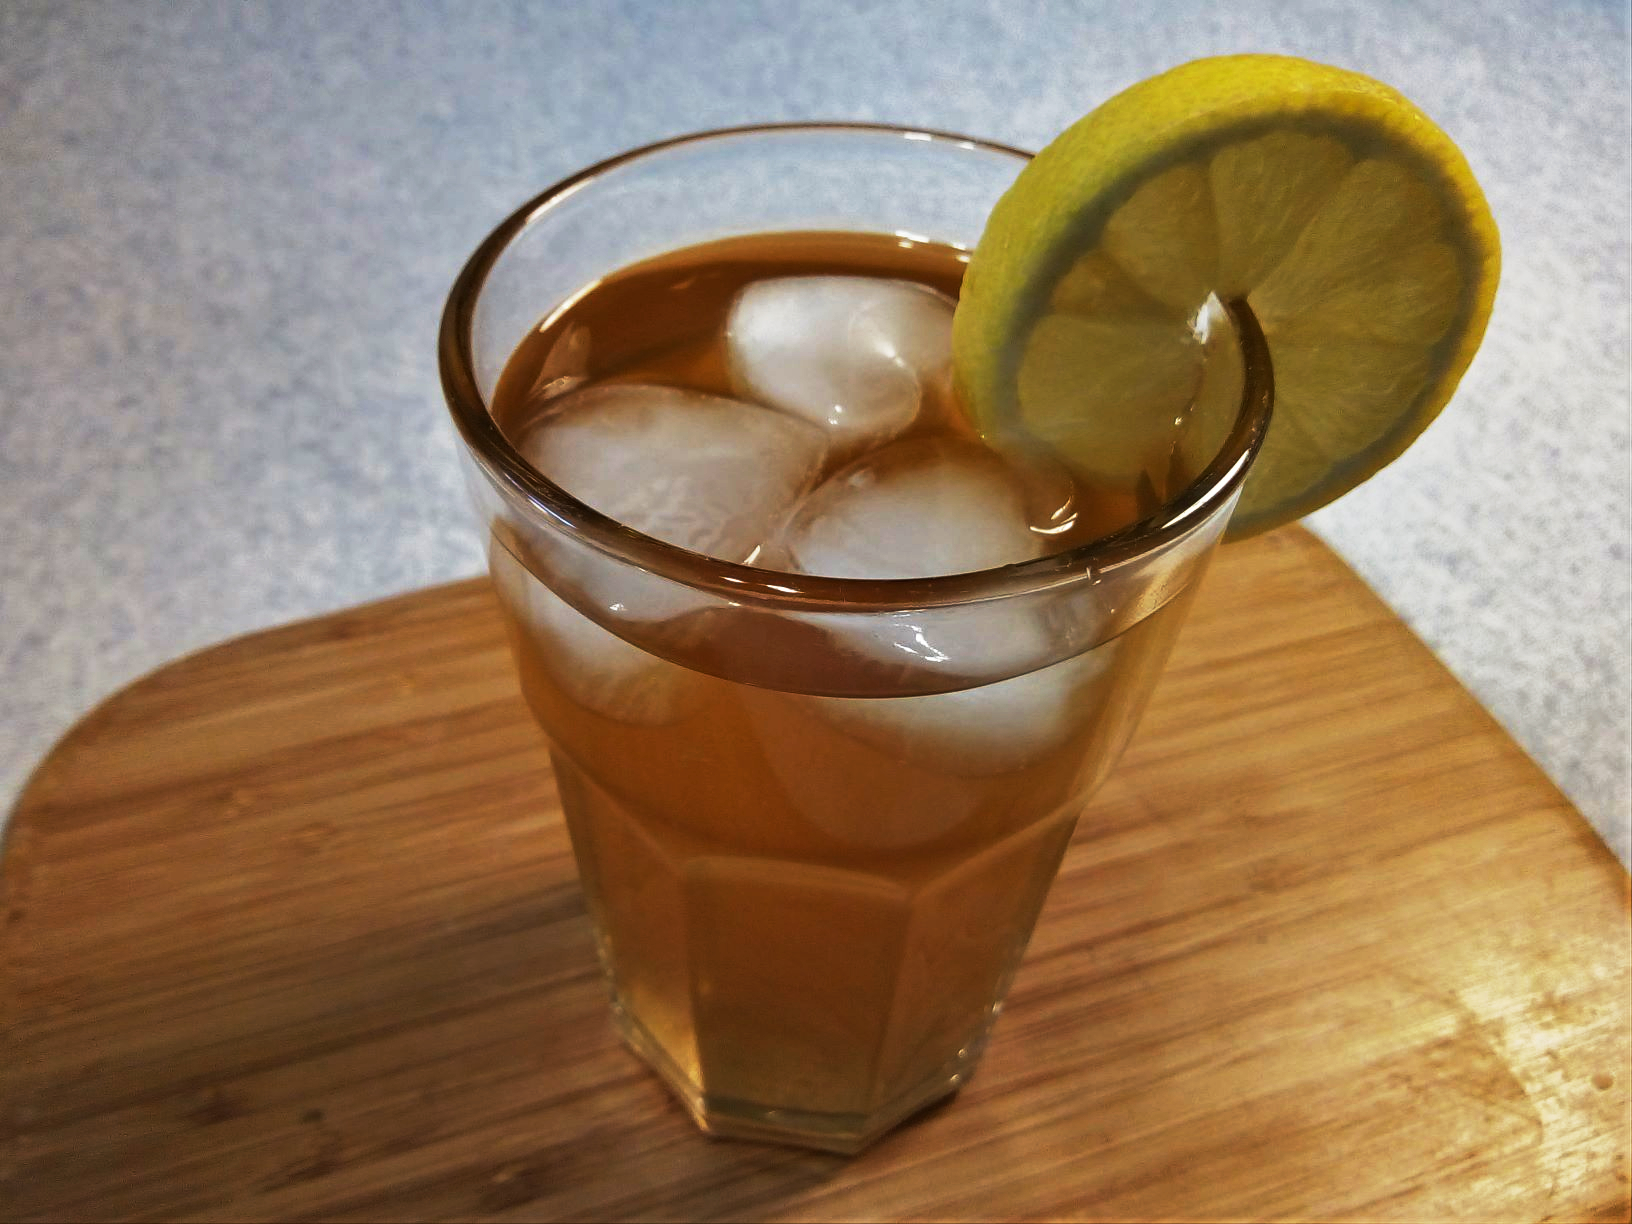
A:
x: 809, y: 915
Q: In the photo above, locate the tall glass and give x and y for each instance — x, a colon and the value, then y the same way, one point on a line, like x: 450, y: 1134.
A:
x: 812, y: 877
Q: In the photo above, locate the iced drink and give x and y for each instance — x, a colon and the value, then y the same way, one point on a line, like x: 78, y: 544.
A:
x: 820, y: 767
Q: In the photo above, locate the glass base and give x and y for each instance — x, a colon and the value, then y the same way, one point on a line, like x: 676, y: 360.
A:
x: 844, y: 1133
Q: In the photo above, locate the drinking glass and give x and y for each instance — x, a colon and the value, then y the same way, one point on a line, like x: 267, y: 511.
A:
x: 811, y: 876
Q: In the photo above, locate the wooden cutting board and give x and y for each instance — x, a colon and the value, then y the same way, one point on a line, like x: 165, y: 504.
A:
x: 291, y: 931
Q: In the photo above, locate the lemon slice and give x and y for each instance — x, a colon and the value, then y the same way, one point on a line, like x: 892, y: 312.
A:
x: 1347, y: 221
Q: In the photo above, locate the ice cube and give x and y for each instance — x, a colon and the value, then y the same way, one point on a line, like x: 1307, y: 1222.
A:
x: 713, y: 475
x: 977, y: 732
x: 594, y: 668
x: 847, y: 788
x: 853, y: 354
x: 920, y: 508
x: 923, y: 508
x: 698, y: 471
x: 916, y: 509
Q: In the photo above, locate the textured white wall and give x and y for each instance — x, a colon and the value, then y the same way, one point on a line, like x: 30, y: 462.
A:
x: 227, y: 229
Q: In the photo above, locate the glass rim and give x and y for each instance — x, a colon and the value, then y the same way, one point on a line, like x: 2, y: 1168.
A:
x: 503, y: 463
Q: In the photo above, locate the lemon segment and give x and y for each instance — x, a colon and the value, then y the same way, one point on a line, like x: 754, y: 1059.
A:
x: 1347, y: 221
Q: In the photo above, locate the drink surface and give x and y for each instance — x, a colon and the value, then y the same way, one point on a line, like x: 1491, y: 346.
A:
x: 807, y: 905
x: 664, y: 322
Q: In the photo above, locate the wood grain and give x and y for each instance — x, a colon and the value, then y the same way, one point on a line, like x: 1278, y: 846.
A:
x: 291, y: 932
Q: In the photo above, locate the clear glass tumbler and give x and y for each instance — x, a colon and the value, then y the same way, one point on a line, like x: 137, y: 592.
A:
x: 811, y: 887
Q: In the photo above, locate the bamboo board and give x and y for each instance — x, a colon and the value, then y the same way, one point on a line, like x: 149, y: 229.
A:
x: 291, y: 932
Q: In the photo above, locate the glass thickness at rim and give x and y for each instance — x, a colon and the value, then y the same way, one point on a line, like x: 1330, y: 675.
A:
x: 746, y: 584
